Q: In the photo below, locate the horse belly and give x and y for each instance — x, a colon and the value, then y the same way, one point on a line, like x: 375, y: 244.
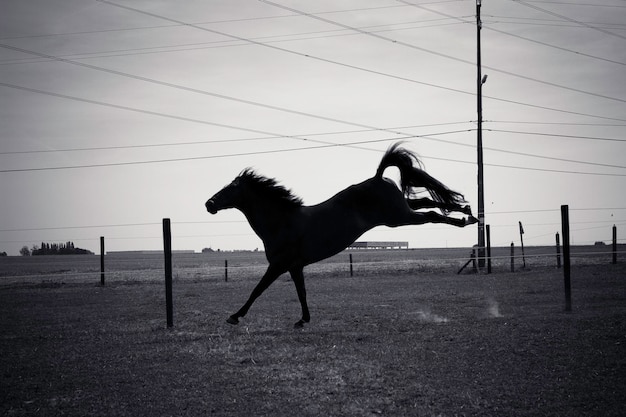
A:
x: 329, y: 235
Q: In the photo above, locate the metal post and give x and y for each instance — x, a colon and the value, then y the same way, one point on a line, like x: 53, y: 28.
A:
x: 521, y: 236
x: 558, y: 251
x: 226, y: 270
x: 488, y: 249
x: 614, y: 244
x: 512, y: 257
x: 351, y: 270
x: 102, y: 260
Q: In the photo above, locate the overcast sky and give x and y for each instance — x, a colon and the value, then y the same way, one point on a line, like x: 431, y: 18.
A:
x: 115, y: 115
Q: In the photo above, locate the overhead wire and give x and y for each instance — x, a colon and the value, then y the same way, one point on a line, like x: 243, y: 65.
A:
x: 293, y: 37
x: 271, y: 136
x: 570, y: 3
x: 569, y: 19
x: 349, y: 65
x: 255, y: 18
x: 237, y: 99
x: 150, y: 80
x: 489, y: 27
x: 595, y: 138
x: 238, y: 154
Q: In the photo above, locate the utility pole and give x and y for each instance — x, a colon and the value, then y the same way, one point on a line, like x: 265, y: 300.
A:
x: 479, y: 144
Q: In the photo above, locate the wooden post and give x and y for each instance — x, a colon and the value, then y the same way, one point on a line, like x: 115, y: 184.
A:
x: 226, y: 270
x: 351, y: 269
x: 512, y: 257
x: 474, y: 264
x: 102, y: 260
x: 167, y: 252
x: 558, y: 251
x: 488, y: 249
x: 566, y: 257
x: 521, y: 237
x: 614, y: 244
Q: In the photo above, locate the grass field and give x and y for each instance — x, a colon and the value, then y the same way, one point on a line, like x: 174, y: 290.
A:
x: 414, y: 339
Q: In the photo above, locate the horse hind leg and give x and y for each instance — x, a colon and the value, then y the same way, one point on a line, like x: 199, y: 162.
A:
x: 425, y: 203
x: 416, y: 218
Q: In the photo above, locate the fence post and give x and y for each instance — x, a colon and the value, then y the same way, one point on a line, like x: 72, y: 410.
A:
x: 226, y: 270
x: 512, y: 257
x: 351, y: 270
x: 102, y: 260
x: 566, y: 257
x: 521, y: 237
x: 614, y: 244
x: 558, y: 251
x: 488, y: 231
x: 167, y: 252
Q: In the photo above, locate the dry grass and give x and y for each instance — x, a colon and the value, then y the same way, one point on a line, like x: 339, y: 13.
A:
x: 378, y: 344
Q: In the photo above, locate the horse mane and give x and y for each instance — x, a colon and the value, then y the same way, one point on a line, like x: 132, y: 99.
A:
x: 269, y: 188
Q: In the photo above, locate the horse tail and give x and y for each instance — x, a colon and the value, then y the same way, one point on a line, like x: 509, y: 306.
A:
x: 413, y: 177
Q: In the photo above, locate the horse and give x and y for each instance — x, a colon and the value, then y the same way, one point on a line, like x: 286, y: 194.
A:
x: 296, y: 235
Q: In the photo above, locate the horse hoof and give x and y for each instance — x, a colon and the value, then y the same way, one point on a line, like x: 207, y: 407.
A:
x: 471, y: 220
x: 232, y: 320
x: 299, y: 325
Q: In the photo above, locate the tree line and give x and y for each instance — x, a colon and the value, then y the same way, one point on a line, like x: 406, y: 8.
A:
x: 67, y: 248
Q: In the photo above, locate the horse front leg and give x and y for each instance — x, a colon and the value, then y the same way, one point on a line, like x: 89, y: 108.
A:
x: 297, y: 275
x: 268, y: 278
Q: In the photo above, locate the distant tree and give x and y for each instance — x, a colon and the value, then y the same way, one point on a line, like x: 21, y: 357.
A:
x: 3, y: 254
x: 25, y: 251
x: 59, y: 249
x: 207, y: 250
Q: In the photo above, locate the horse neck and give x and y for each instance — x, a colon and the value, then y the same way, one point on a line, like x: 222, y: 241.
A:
x: 265, y: 217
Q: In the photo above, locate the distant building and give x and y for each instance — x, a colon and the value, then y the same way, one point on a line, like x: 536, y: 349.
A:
x: 379, y: 245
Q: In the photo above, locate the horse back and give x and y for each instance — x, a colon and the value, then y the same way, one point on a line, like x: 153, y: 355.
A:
x: 328, y: 228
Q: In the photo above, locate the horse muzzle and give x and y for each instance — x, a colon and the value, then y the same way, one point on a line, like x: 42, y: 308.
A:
x: 211, y: 207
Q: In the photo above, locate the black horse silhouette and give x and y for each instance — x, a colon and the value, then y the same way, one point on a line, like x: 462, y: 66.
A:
x: 296, y: 235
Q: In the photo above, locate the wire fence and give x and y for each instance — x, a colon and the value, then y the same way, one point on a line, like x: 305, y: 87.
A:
x: 53, y: 271
x: 216, y: 266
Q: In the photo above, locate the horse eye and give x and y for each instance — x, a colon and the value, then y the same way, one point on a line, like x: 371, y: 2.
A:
x: 235, y: 182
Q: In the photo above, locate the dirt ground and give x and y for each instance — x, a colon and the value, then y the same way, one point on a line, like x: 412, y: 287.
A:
x: 403, y: 344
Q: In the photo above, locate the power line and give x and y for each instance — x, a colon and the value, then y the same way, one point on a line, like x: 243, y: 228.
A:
x: 348, y: 65
x: 189, y: 89
x: 303, y: 149
x: 559, y: 135
x: 488, y: 27
x: 551, y: 22
x: 554, y: 123
x: 133, y: 109
x: 551, y: 158
x: 511, y: 34
x: 576, y: 4
x: 321, y: 146
x: 569, y: 19
x: 216, y: 95
x: 225, y: 43
x: 273, y: 136
x: 86, y: 32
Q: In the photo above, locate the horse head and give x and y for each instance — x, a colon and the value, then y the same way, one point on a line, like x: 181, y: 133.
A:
x: 227, y: 197
x: 250, y: 189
